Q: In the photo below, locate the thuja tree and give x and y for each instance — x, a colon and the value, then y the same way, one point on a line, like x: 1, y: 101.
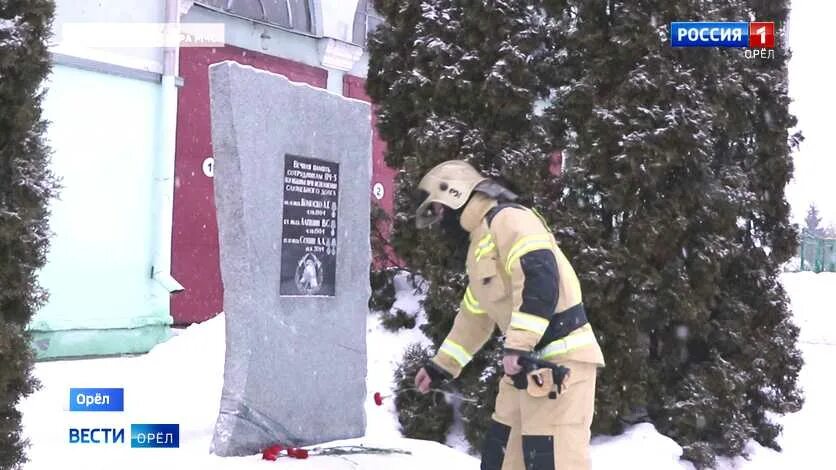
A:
x: 674, y: 213
x: 25, y: 187
x: 458, y: 79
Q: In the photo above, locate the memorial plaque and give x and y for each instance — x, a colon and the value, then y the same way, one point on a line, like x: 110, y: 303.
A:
x: 309, y: 226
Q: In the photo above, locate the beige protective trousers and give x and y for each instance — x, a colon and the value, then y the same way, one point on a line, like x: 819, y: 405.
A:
x: 541, y: 433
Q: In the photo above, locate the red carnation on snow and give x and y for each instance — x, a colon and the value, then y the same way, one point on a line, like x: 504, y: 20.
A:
x: 378, y: 398
x: 297, y: 453
x: 272, y: 452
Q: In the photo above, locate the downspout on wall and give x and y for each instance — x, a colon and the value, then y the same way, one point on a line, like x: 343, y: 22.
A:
x: 164, y: 165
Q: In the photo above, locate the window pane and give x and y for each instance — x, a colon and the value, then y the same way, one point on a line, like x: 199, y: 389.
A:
x: 277, y: 12
x: 215, y: 3
x: 247, y: 8
x: 372, y: 23
x: 366, y: 20
x: 301, y: 10
x: 271, y: 11
x: 359, y: 31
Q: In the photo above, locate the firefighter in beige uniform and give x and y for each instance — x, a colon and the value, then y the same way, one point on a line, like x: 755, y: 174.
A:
x: 520, y: 281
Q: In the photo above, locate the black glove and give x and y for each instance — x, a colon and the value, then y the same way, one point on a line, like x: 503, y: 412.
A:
x: 530, y: 364
x: 438, y: 376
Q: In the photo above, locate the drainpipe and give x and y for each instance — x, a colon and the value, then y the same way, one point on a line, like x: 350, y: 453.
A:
x: 164, y: 168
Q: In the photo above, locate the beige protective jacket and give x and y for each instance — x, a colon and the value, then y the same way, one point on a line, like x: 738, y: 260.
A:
x: 520, y: 281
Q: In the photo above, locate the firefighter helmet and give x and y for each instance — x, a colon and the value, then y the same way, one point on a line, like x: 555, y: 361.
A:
x: 450, y: 183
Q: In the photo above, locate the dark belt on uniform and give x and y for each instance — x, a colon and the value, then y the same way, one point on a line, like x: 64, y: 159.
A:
x: 562, y: 324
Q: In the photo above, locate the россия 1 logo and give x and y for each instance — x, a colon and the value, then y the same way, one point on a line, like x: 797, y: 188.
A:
x: 753, y: 35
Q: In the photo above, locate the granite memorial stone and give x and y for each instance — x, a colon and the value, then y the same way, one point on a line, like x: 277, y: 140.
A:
x: 292, y: 177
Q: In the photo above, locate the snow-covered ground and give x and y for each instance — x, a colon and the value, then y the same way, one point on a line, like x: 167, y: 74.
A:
x: 180, y: 382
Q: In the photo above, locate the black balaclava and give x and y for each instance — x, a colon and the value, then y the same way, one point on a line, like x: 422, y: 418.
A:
x: 451, y: 226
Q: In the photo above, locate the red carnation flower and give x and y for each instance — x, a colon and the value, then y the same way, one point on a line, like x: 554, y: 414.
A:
x: 272, y: 452
x: 297, y: 453
x: 378, y: 398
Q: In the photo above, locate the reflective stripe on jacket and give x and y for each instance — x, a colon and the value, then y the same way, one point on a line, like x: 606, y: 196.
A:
x: 519, y: 280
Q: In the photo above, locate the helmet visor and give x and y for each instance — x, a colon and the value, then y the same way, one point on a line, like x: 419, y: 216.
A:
x: 426, y: 213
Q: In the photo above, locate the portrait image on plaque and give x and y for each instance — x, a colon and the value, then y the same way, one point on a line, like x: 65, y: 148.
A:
x: 309, y: 227
x: 309, y: 274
